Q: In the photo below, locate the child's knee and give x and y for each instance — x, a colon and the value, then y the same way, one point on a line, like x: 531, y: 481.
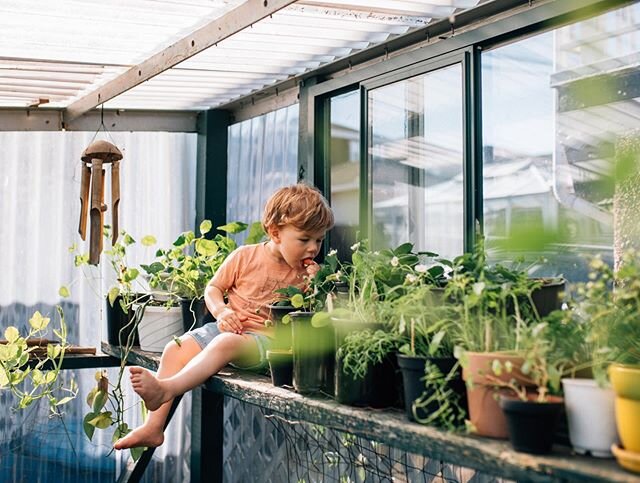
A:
x: 227, y: 342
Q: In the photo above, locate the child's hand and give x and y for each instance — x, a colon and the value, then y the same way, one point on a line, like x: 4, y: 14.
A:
x: 310, y: 266
x: 228, y: 321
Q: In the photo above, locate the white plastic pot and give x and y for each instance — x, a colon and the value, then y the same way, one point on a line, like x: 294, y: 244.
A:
x: 591, y: 417
x: 158, y: 326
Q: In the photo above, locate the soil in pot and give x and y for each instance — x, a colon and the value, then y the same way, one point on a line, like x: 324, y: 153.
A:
x: 413, y: 371
x: 313, y: 355
x: 119, y: 324
x: 281, y: 367
x: 194, y: 313
x: 531, y: 424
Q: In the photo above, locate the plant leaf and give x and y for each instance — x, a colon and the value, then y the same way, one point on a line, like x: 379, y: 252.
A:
x: 148, y: 240
x: 205, y: 227
x: 233, y: 227
x: 38, y: 322
x: 11, y: 334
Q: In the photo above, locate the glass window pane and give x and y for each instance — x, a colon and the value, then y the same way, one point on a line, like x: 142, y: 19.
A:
x: 344, y: 159
x: 552, y: 122
x: 416, y: 158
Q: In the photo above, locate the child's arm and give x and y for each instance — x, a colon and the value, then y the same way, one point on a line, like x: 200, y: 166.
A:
x: 227, y: 319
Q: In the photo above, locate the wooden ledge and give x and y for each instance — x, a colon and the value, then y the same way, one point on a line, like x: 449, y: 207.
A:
x: 391, y: 427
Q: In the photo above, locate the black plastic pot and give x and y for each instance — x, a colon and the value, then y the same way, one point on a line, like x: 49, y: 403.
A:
x: 194, y: 313
x: 531, y: 424
x: 282, y: 339
x: 119, y: 324
x: 413, y: 369
x: 378, y: 388
x: 281, y: 367
x: 547, y: 298
x: 313, y: 355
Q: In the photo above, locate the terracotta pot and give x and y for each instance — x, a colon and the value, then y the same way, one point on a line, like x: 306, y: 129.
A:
x: 482, y: 394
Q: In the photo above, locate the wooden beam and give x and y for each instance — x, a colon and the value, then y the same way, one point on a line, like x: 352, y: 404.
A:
x: 215, y: 31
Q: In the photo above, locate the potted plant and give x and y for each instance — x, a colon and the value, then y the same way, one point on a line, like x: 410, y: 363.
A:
x: 531, y: 416
x: 311, y: 332
x: 185, y: 269
x: 366, y: 366
x: 122, y: 295
x: 622, y: 339
x: 434, y: 392
x: 581, y: 336
x: 491, y: 307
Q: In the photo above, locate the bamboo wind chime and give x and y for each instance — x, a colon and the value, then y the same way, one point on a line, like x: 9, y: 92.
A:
x: 94, y: 159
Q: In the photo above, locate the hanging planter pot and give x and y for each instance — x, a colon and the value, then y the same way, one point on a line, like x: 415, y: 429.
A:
x: 194, y: 313
x: 531, y: 424
x: 591, y: 417
x: 313, y: 355
x: 281, y: 366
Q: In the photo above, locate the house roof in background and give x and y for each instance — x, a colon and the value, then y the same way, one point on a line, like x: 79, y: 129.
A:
x: 55, y: 54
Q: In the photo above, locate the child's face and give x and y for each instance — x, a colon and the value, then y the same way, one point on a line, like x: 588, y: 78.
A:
x: 295, y: 245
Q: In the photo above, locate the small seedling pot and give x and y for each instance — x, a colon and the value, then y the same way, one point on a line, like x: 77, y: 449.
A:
x: 281, y: 366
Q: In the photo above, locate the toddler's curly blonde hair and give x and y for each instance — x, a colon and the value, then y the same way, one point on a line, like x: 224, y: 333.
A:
x: 299, y: 205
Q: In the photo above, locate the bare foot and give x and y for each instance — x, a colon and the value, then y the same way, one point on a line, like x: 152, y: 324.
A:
x: 149, y: 388
x: 141, y: 436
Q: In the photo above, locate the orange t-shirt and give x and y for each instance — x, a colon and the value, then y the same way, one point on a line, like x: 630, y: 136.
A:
x: 249, y: 276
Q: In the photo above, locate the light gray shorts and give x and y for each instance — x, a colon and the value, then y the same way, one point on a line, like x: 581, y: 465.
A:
x: 205, y: 334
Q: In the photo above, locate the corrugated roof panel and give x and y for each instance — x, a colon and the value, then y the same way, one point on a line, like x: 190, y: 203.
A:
x: 65, y: 53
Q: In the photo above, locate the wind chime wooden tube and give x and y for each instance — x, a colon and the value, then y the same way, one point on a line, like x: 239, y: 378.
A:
x: 92, y: 204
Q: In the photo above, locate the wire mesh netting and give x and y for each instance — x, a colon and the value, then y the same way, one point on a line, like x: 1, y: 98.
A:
x: 282, y: 449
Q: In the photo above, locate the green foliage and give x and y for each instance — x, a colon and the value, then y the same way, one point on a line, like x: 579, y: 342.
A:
x: 362, y: 349
x: 30, y: 377
x: 185, y: 269
x: 106, y: 400
x: 604, y: 315
x: 541, y: 365
x: 449, y: 414
x: 126, y: 276
x: 490, y: 303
